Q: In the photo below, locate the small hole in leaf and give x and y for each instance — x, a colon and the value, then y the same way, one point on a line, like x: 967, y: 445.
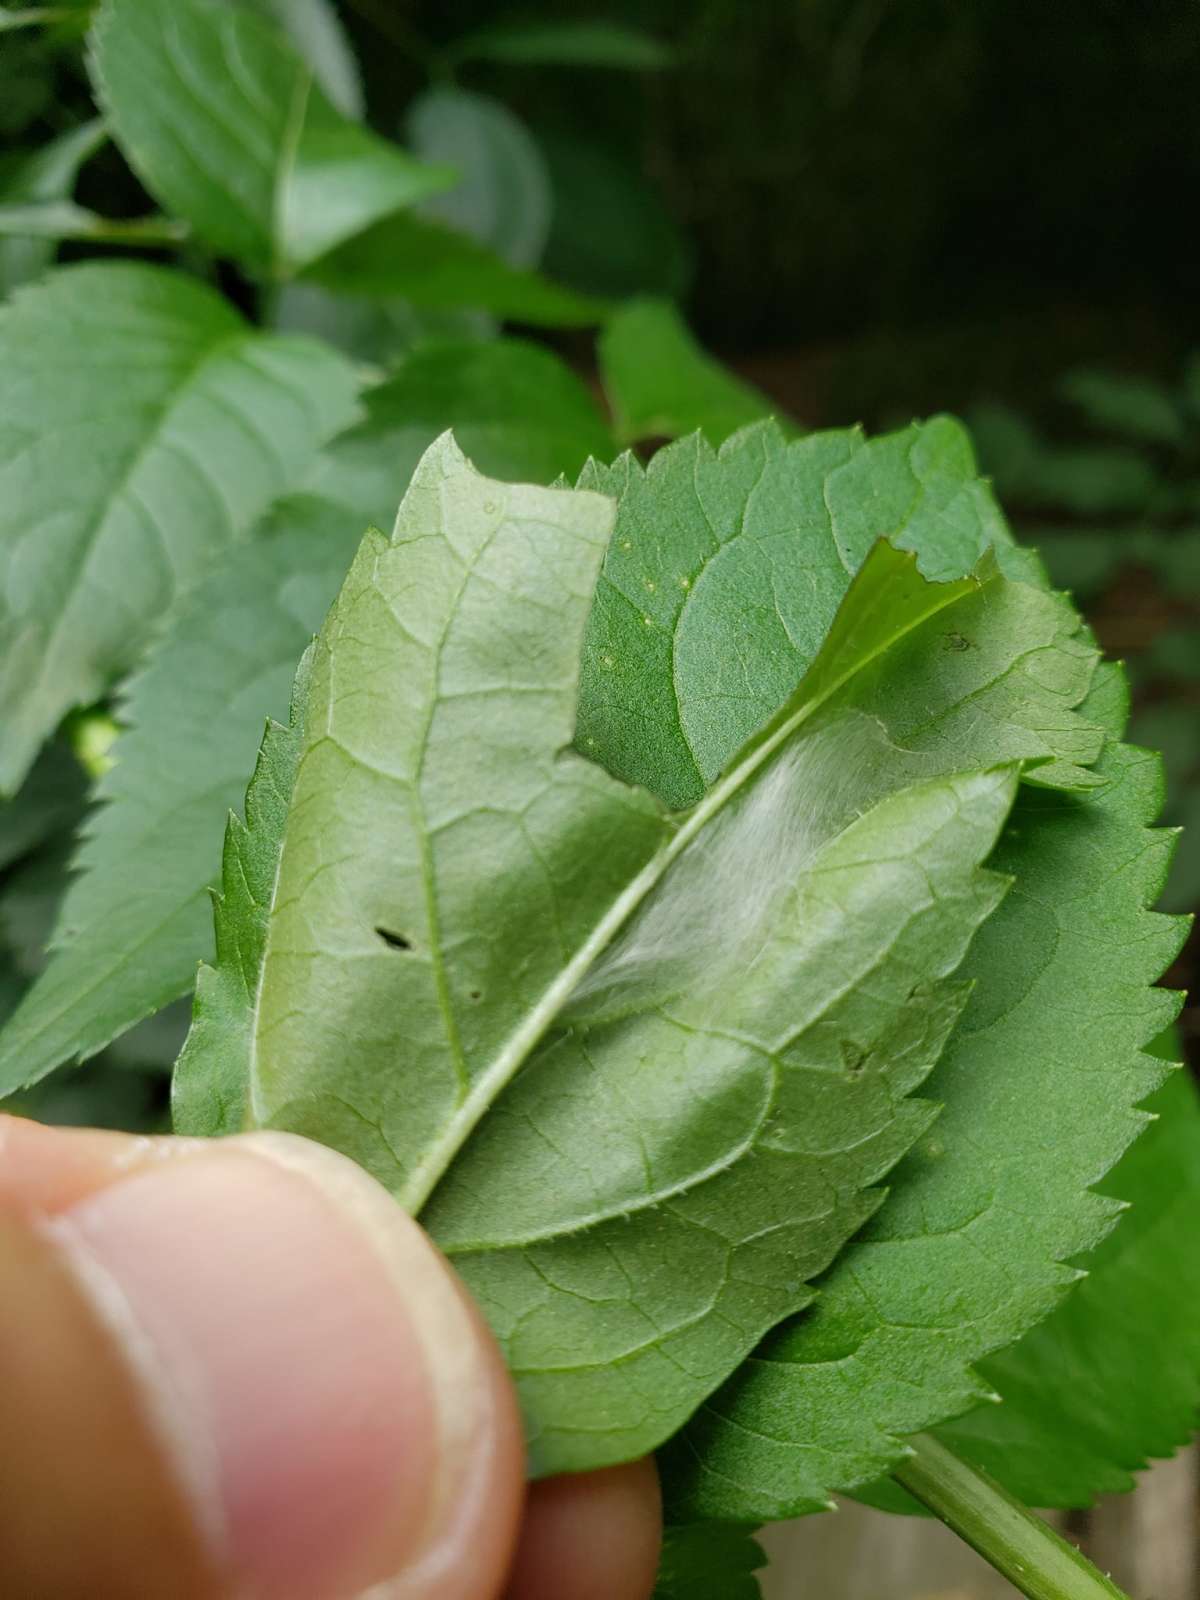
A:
x: 395, y: 941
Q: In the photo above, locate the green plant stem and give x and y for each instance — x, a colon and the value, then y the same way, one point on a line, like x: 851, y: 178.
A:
x: 1021, y: 1546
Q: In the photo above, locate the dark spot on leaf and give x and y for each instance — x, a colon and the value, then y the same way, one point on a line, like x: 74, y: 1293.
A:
x: 476, y: 994
x: 957, y: 641
x: 854, y: 1058
x: 394, y: 941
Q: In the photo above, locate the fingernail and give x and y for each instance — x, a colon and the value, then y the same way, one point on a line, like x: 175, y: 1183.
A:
x: 325, y: 1393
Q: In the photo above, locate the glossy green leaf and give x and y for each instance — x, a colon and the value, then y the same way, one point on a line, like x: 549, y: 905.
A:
x: 137, y: 919
x: 661, y: 384
x: 707, y: 1561
x: 466, y: 945
x: 726, y: 570
x: 143, y: 428
x: 45, y: 175
x: 502, y: 197
x: 567, y: 43
x: 229, y: 130
x: 1112, y: 1378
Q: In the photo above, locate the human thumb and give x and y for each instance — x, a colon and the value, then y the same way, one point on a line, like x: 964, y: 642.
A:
x: 238, y: 1369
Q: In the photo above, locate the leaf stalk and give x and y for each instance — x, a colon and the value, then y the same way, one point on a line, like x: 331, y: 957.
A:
x: 1018, y: 1544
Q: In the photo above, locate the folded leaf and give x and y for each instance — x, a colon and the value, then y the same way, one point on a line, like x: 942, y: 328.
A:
x: 726, y: 570
x: 229, y: 129
x: 1039, y: 1086
x: 143, y: 427
x: 454, y: 964
x: 661, y: 384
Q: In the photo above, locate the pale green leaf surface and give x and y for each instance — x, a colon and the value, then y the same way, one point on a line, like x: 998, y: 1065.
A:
x: 502, y: 197
x: 45, y: 175
x: 1038, y: 1087
x: 439, y: 270
x: 376, y: 332
x: 709, y: 1561
x: 143, y: 428
x: 725, y: 572
x: 661, y: 384
x: 137, y: 919
x: 436, y: 993
x: 566, y: 43
x: 1112, y: 1378
x: 228, y: 128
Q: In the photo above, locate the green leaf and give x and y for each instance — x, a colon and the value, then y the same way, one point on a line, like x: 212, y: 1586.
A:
x: 143, y: 428
x: 46, y: 175
x: 440, y: 270
x: 228, y: 129
x: 502, y: 198
x: 1112, y: 1377
x: 137, y: 918
x: 725, y: 573
x: 661, y: 384
x: 1038, y: 1088
x: 568, y: 43
x: 516, y: 410
x: 1134, y: 407
x: 709, y: 1561
x: 458, y: 958
x: 316, y: 33
x: 374, y: 332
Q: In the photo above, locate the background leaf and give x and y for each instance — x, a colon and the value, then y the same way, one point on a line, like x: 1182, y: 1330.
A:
x: 180, y: 425
x: 661, y: 384
x: 502, y: 197
x: 46, y: 174
x: 137, y: 919
x: 566, y: 43
x: 227, y: 127
x: 314, y: 28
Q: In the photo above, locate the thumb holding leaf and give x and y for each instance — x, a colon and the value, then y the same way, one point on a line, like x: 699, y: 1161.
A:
x: 242, y: 1369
